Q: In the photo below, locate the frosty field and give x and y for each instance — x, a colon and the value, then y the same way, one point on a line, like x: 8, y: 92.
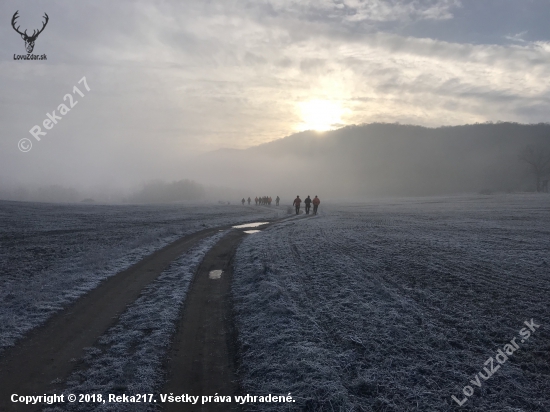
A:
x: 391, y: 305
x: 52, y: 254
x: 397, y: 305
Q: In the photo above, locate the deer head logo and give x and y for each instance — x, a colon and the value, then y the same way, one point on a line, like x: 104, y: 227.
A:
x: 29, y: 40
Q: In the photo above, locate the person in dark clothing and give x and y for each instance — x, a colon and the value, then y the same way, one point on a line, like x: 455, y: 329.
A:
x: 242, y: 201
x: 315, y: 202
x: 296, y: 204
x: 256, y: 200
x: 248, y: 200
x: 307, y: 202
x: 277, y: 199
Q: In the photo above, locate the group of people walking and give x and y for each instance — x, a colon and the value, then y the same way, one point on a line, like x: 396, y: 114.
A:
x: 262, y: 200
x: 307, y: 202
x: 266, y: 201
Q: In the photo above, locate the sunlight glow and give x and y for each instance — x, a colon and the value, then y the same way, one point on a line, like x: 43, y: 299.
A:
x: 320, y: 115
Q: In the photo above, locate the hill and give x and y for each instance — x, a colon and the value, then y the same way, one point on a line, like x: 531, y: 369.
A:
x: 387, y: 160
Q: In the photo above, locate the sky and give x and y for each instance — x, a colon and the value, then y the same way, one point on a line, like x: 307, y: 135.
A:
x: 169, y: 80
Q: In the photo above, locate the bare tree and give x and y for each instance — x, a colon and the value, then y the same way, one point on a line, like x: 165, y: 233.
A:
x: 538, y: 160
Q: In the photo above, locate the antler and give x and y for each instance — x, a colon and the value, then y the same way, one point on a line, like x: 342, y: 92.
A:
x: 34, y: 33
x: 14, y: 18
x: 43, y: 25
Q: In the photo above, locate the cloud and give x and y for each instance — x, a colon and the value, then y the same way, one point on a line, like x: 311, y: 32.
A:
x: 518, y: 37
x: 361, y: 10
x: 171, y: 79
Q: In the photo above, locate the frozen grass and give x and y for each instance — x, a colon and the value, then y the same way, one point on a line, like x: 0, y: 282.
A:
x: 395, y: 306
x: 52, y: 254
x: 128, y: 358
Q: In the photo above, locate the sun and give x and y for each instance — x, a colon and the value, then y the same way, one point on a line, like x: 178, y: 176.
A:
x: 320, y: 115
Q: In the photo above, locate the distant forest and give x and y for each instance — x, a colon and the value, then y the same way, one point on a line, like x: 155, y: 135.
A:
x: 161, y: 192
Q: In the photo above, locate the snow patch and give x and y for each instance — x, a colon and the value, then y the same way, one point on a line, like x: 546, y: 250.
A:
x: 215, y: 274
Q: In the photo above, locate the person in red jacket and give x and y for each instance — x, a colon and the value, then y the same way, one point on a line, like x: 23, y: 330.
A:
x: 315, y: 202
x: 296, y: 204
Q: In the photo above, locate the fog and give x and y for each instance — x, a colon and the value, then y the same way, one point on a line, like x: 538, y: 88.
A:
x: 270, y: 98
x: 351, y: 163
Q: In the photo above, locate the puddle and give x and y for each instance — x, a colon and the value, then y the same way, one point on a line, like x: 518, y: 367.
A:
x: 215, y: 274
x: 251, y: 231
x: 247, y: 225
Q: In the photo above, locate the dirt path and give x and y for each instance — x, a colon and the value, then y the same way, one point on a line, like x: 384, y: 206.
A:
x: 48, y: 352
x: 201, y: 360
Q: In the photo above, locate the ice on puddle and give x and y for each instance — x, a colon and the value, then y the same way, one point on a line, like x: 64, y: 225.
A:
x: 247, y: 225
x: 251, y: 231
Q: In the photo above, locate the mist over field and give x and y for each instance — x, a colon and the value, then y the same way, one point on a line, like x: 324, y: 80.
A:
x: 352, y: 163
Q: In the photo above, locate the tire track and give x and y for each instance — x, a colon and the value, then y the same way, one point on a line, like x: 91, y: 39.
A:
x: 47, y: 353
x: 202, y: 360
